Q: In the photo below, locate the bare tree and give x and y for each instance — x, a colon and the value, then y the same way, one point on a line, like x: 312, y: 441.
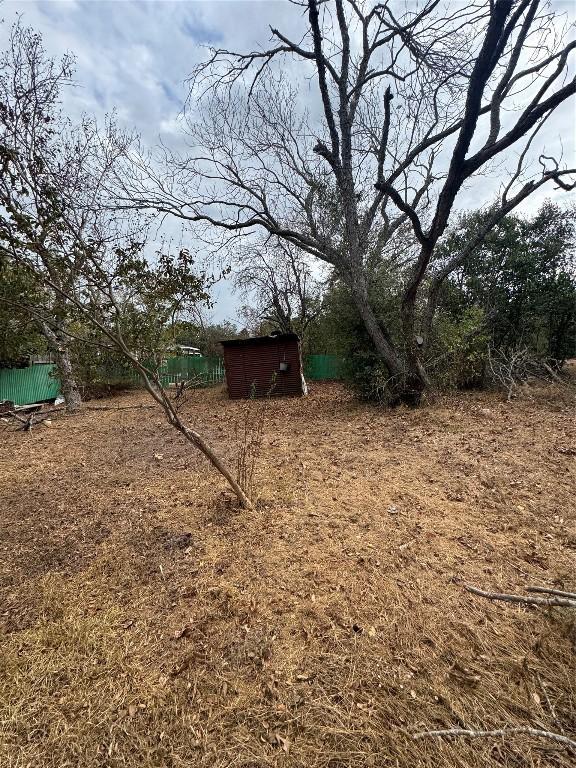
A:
x: 408, y: 106
x: 281, y: 286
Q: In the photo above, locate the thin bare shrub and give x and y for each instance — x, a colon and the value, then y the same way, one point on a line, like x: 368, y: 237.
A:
x: 249, y: 437
x: 511, y: 369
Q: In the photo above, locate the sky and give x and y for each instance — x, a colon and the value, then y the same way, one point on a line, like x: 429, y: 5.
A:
x: 133, y: 56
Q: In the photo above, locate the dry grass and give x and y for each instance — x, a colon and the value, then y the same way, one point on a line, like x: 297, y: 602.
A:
x: 319, y: 631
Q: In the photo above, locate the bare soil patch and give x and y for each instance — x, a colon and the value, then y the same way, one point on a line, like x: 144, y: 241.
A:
x: 145, y: 621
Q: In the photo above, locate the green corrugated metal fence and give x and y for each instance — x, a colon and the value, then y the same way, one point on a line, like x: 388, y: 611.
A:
x: 29, y: 385
x: 203, y: 371
x: 323, y: 367
x: 210, y: 370
x: 38, y: 382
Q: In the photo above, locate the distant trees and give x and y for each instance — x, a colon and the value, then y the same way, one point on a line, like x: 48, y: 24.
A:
x: 515, y: 296
x: 522, y: 277
x: 196, y: 331
x: 20, y: 334
x: 280, y: 283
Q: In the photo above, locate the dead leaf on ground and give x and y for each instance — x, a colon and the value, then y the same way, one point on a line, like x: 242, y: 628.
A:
x: 282, y: 742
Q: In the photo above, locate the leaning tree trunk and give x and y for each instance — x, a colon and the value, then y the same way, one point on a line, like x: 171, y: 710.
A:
x: 416, y: 380
x: 407, y: 377
x: 59, y: 346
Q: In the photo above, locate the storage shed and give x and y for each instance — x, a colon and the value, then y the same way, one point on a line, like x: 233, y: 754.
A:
x: 264, y: 365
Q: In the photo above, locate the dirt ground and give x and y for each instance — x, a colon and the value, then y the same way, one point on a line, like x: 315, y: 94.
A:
x: 145, y: 621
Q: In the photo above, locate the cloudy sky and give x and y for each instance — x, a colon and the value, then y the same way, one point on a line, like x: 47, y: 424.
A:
x: 133, y: 56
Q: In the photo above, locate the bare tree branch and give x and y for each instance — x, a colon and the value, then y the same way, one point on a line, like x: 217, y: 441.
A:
x: 550, y: 602
x: 500, y: 733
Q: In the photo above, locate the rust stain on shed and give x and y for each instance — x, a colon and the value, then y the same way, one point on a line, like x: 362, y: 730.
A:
x: 264, y: 365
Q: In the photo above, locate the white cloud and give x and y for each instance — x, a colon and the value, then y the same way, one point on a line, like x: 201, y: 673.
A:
x: 134, y: 57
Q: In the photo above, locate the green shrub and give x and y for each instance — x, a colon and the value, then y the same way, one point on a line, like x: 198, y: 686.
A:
x: 459, y: 350
x: 368, y: 377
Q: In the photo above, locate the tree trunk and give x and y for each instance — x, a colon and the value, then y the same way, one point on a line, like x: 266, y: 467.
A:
x: 59, y: 346
x: 216, y: 462
x: 70, y: 390
x: 154, y: 388
x: 431, y: 306
x: 415, y: 378
x: 382, y: 341
x: 407, y: 377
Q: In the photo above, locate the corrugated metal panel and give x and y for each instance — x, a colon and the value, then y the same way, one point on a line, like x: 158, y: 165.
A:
x: 206, y: 370
x: 323, y: 367
x: 253, y: 367
x: 29, y: 385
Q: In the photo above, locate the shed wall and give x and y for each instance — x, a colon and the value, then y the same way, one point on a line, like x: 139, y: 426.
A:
x: 253, y: 370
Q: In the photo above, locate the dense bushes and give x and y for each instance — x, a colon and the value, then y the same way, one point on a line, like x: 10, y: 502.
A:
x: 523, y: 278
x: 458, y: 352
x: 339, y: 330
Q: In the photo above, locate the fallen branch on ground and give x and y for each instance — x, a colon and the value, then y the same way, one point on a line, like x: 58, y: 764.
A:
x: 556, y: 599
x: 451, y: 732
x: 33, y: 417
x: 557, y: 592
x: 115, y: 407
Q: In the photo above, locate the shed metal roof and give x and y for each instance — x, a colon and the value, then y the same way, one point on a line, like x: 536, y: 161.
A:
x: 254, y: 340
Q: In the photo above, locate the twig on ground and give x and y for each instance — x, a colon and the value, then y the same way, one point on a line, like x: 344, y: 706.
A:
x: 560, y: 602
x: 26, y: 422
x: 558, y: 379
x: 547, y: 698
x: 30, y: 418
x: 115, y: 407
x: 468, y: 732
x: 557, y: 592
